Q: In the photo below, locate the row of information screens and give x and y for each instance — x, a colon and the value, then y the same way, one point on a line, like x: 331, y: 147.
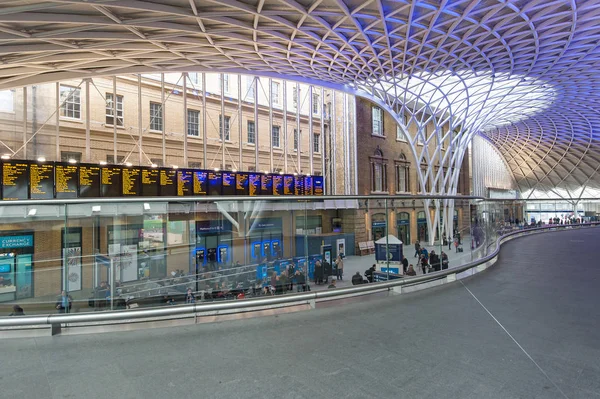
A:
x: 35, y: 180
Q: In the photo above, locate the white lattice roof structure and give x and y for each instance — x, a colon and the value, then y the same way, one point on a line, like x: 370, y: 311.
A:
x: 524, y: 72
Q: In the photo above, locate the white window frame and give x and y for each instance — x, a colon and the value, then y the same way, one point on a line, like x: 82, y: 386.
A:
x: 402, y: 178
x: 249, y: 89
x: 275, y: 92
x: 295, y: 97
x: 193, y: 123
x: 315, y: 103
x: 156, y: 120
x: 227, y: 127
x: 251, y: 133
x: 378, y: 177
x: 316, y: 142
x: 377, y: 121
x: 296, y: 139
x: 7, y: 101
x: 400, y: 136
x: 275, y: 138
x: 70, y: 102
x: 109, y: 110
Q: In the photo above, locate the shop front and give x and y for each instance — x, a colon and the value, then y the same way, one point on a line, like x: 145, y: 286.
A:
x: 422, y: 232
x: 16, y: 266
x: 378, y: 226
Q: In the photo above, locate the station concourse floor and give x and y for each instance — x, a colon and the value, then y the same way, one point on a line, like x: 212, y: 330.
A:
x: 529, y: 327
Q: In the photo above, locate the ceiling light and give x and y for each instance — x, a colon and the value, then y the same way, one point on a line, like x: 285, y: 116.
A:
x: 32, y: 212
x: 41, y: 159
x: 96, y: 208
x: 154, y: 165
x: 234, y: 170
x: 102, y: 162
x: 71, y: 160
x: 128, y: 164
x: 216, y: 169
x: 146, y: 206
x: 5, y: 156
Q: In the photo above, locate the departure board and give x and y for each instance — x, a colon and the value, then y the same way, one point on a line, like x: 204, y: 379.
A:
x: 149, y: 182
x: 184, y: 183
x: 89, y: 181
x: 308, y: 185
x: 288, y: 185
x: 110, y: 181
x: 65, y: 180
x: 241, y: 183
x: 130, y: 179
x: 15, y: 180
x: 254, y: 184
x: 41, y: 180
x: 277, y: 184
x: 200, y: 182
x: 228, y: 183
x: 266, y: 185
x: 318, y: 188
x: 299, y: 185
x: 215, y: 183
x: 168, y: 180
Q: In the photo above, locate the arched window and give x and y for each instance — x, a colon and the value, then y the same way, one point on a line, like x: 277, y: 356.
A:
x: 378, y: 172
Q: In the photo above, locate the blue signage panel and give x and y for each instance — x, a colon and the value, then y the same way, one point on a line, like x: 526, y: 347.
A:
x: 394, y: 252
x: 204, y: 227
x: 266, y: 224
x: 16, y: 241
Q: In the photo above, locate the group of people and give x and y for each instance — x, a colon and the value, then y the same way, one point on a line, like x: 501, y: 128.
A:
x: 325, y: 269
x: 429, y: 261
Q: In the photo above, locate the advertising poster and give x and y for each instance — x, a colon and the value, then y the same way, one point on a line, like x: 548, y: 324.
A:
x: 129, y: 262
x: 341, y: 247
x: 24, y: 280
x: 72, y: 263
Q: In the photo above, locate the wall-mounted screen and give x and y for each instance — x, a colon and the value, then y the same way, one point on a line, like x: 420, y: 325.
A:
x: 130, y: 179
x: 254, y: 182
x: 65, y: 180
x: 288, y: 185
x: 41, y: 180
x: 149, y: 182
x: 184, y: 183
x: 215, y: 183
x: 277, y: 185
x: 200, y: 182
x: 308, y: 185
x: 299, y: 185
x: 89, y: 181
x: 110, y: 183
x: 168, y: 182
x: 228, y: 183
x: 318, y: 187
x: 241, y: 183
x: 266, y: 185
x: 15, y: 180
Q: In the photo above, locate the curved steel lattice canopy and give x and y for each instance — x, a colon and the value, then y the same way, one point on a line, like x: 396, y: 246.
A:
x: 521, y: 72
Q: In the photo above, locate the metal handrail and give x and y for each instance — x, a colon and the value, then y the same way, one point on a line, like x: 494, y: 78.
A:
x: 192, y: 309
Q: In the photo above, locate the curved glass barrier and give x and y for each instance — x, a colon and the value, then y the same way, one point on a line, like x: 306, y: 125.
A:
x: 96, y: 256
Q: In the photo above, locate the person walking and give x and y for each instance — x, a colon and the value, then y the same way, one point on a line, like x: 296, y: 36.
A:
x: 417, y: 249
x: 339, y: 267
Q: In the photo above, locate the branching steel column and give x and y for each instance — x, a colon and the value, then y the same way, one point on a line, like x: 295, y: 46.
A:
x: 140, y: 128
x: 298, y: 159
x: 204, y: 133
x: 115, y: 119
x: 271, y: 123
x: 88, y: 138
x: 285, y: 128
x: 222, y: 122
x: 310, y: 130
x: 24, y: 122
x: 240, y: 124
x: 256, y: 135
x: 322, y: 135
x: 185, y: 121
x: 164, y: 125
x: 57, y: 116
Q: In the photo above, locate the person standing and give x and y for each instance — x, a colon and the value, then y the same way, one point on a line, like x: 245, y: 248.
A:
x: 64, y: 302
x: 339, y: 267
x: 404, y: 264
x: 424, y: 265
x: 189, y: 296
x: 318, y: 273
x: 417, y: 249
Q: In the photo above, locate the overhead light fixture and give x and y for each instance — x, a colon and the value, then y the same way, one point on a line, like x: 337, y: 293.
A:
x: 295, y: 174
x: 102, y: 162
x: 175, y: 167
x: 154, y: 165
x: 96, y: 208
x: 5, y: 156
x: 234, y: 170
x: 216, y: 169
x: 41, y: 159
x: 146, y: 206
x: 72, y: 160
x: 266, y: 172
x: 128, y: 164
x: 32, y: 212
x: 281, y: 172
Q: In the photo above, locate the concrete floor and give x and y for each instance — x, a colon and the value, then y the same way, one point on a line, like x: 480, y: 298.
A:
x: 526, y: 328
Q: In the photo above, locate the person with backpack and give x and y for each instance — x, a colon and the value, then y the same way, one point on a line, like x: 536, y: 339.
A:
x: 417, y: 249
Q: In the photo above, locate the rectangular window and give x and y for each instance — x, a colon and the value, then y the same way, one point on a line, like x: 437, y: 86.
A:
x: 193, y: 120
x: 7, y: 101
x: 377, y: 116
x: 251, y: 132
x: 157, y: 161
x: 195, y: 79
x: 275, y: 136
x: 400, y: 136
x: 316, y: 142
x: 111, y: 159
x: 401, y: 178
x: 225, y: 78
x: 195, y: 165
x: 70, y: 100
x: 224, y: 130
x: 275, y: 92
x: 295, y: 97
x: 427, y: 182
x: 65, y: 156
x: 156, y: 116
x: 110, y: 108
x: 249, y: 89
x: 295, y: 139
x: 377, y: 177
x: 315, y: 103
